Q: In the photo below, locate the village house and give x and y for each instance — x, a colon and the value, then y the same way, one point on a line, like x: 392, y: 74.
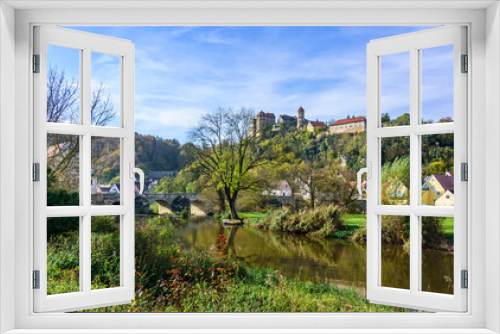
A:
x: 447, y: 199
x: 436, y: 186
x: 355, y: 124
x: 283, y: 189
x: 394, y: 193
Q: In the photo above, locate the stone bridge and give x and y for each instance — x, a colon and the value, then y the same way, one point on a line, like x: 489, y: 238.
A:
x: 168, y: 203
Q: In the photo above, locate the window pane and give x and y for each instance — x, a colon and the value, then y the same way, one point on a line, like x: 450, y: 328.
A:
x: 63, y: 255
x: 437, y: 254
x: 105, y: 252
x: 395, y: 232
x: 63, y: 81
x: 437, y: 84
x: 395, y: 89
x: 437, y: 170
x: 395, y: 173
x: 63, y: 170
x: 105, y: 104
x: 105, y: 180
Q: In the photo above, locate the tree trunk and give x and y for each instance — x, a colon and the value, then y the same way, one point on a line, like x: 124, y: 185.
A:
x: 312, y: 200
x: 221, y: 200
x: 232, y: 207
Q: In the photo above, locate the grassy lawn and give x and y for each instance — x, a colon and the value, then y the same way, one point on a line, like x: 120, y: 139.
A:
x: 448, y: 227
x: 244, y: 215
x: 354, y: 220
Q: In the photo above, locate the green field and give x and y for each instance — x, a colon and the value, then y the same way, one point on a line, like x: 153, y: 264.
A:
x: 356, y: 220
x: 245, y: 215
x: 448, y: 229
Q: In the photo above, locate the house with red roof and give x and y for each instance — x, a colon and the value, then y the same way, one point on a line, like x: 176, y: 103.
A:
x: 354, y: 124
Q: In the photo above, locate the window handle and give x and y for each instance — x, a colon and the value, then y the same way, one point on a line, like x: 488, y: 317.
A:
x: 134, y: 170
x: 368, y: 172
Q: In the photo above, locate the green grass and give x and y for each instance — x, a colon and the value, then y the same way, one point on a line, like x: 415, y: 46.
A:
x: 244, y: 215
x: 154, y: 207
x: 448, y: 228
x: 258, y: 290
x: 354, y: 220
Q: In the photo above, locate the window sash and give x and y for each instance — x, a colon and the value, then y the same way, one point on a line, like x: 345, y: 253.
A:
x: 86, y: 297
x: 412, y: 43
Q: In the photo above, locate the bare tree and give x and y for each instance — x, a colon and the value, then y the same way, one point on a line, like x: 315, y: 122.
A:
x: 310, y: 180
x: 339, y: 186
x: 227, y: 151
x: 63, y: 107
x: 63, y: 97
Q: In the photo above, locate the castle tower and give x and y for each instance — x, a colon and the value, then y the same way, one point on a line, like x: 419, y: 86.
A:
x: 260, y: 122
x: 253, y: 129
x: 301, y: 118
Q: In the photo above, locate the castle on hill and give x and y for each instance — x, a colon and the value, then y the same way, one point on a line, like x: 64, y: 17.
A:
x: 268, y: 120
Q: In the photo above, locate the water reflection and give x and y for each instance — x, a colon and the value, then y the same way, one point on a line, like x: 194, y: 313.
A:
x: 315, y: 260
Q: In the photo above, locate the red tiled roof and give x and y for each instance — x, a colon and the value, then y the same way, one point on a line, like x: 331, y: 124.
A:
x: 317, y: 124
x: 262, y: 113
x: 300, y: 109
x: 349, y: 120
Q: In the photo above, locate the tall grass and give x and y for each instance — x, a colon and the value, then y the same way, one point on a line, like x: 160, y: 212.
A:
x: 325, y: 221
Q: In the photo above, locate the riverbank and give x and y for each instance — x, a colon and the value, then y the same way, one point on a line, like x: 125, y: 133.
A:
x: 171, y: 278
x: 328, y: 222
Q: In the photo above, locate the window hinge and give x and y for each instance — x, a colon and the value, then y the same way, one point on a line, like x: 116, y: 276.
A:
x: 464, y: 172
x: 465, y: 64
x: 36, y: 172
x: 36, y: 63
x: 36, y: 279
x: 465, y: 279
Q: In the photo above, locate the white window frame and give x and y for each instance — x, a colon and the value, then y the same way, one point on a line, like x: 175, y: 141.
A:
x: 86, y: 44
x: 413, y: 43
x: 484, y: 238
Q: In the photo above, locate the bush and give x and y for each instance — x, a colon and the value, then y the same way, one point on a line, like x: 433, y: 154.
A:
x: 432, y: 231
x: 184, y: 214
x: 105, y: 224
x: 323, y: 222
x: 395, y: 229
x: 60, y: 225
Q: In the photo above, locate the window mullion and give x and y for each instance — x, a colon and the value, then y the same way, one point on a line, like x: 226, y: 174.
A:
x: 86, y: 165
x: 415, y: 192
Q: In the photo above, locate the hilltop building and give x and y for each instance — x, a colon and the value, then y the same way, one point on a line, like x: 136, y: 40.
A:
x: 355, y: 124
x: 311, y: 125
x: 301, y: 120
x: 286, y: 119
x: 268, y: 120
x: 264, y: 120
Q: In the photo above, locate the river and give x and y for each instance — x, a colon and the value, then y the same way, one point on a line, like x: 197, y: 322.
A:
x: 327, y: 261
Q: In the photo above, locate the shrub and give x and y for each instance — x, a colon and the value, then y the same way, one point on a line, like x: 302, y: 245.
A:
x: 395, y: 229
x: 324, y: 221
x: 105, y: 224
x: 432, y: 231
x: 184, y: 214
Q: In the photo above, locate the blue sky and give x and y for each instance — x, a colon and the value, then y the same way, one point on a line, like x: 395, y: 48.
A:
x: 183, y: 72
